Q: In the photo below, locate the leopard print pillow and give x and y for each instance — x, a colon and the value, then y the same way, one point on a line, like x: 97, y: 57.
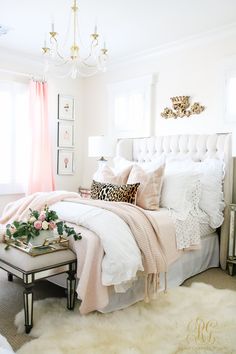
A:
x: 114, y: 193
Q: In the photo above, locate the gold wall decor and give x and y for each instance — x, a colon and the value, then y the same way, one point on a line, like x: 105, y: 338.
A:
x: 181, y: 108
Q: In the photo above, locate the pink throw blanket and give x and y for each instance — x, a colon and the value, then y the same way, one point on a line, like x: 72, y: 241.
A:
x: 19, y: 209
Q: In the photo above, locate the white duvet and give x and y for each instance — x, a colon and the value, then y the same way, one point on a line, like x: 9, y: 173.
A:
x: 122, y: 259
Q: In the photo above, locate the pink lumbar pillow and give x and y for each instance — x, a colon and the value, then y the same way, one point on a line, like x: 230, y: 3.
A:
x: 149, y: 191
x: 107, y: 175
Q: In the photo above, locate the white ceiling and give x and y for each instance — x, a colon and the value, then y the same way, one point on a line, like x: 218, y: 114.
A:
x: 128, y: 26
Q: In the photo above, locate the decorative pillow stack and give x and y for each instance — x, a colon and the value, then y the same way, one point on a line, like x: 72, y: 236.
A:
x: 114, y: 193
x: 147, y: 177
x: 182, y: 185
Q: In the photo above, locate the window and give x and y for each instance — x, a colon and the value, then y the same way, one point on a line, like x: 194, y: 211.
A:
x: 130, y: 107
x: 13, y: 137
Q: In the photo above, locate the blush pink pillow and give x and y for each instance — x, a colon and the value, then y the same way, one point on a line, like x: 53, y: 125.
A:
x: 149, y: 191
x: 107, y: 175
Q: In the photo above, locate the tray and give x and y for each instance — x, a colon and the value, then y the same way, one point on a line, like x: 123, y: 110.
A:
x: 58, y: 244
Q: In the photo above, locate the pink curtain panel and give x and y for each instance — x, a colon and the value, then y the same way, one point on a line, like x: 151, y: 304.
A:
x: 41, y: 176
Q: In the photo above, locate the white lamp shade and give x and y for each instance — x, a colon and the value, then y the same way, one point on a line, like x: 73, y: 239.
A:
x: 99, y: 146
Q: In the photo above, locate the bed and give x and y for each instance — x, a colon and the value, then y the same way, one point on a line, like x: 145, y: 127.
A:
x: 107, y: 294
x: 214, y: 241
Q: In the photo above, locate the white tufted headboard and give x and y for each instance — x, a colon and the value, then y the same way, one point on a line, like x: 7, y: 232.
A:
x: 198, y: 147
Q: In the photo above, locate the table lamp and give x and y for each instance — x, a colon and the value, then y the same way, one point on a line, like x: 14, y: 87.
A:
x: 100, y: 146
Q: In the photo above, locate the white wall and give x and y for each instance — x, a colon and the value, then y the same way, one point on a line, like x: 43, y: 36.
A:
x: 56, y: 86
x: 195, y: 69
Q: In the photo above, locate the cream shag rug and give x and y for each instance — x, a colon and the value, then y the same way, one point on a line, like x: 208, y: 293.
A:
x: 199, y: 319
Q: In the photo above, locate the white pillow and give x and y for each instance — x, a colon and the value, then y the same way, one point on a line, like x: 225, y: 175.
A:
x: 177, y: 192
x: 211, y: 173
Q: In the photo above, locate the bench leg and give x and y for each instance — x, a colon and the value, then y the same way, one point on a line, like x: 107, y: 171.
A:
x: 28, y: 298
x: 9, y: 276
x: 71, y: 283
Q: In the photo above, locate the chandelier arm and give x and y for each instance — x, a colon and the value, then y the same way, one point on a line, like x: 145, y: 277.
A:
x: 91, y: 50
x: 53, y: 40
x: 88, y: 65
x: 86, y: 58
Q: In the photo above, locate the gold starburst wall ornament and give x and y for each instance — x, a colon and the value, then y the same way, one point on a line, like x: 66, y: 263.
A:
x: 181, y: 108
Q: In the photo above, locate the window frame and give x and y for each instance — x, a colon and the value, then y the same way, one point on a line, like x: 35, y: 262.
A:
x: 143, y: 85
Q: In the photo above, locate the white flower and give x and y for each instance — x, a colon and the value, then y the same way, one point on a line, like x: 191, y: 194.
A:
x: 45, y: 225
x: 32, y: 219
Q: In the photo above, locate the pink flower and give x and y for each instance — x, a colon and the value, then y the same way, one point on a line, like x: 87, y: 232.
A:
x: 42, y: 216
x: 38, y: 225
x: 52, y: 225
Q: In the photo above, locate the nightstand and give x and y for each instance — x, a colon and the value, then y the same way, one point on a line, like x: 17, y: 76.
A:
x: 231, y: 258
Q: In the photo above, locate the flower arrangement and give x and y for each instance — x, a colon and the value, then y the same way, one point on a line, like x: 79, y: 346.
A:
x: 45, y: 220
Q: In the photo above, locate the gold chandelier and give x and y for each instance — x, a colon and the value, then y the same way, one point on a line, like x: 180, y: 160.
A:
x: 76, y: 63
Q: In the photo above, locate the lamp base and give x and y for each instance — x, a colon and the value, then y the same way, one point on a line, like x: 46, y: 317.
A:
x: 102, y: 159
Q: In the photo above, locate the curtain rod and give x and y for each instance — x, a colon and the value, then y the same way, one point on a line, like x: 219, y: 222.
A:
x: 31, y: 76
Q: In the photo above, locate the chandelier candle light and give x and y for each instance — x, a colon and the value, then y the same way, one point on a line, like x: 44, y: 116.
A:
x: 95, y: 59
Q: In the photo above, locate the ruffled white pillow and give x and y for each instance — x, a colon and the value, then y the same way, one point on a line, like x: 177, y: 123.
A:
x: 211, y: 174
x: 177, y: 192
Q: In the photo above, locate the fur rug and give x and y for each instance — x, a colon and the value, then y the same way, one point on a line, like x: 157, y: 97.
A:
x: 5, y: 347
x: 200, y: 319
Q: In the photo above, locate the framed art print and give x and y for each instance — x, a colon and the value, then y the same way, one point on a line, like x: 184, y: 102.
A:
x: 65, y: 135
x: 65, y: 107
x: 65, y: 162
